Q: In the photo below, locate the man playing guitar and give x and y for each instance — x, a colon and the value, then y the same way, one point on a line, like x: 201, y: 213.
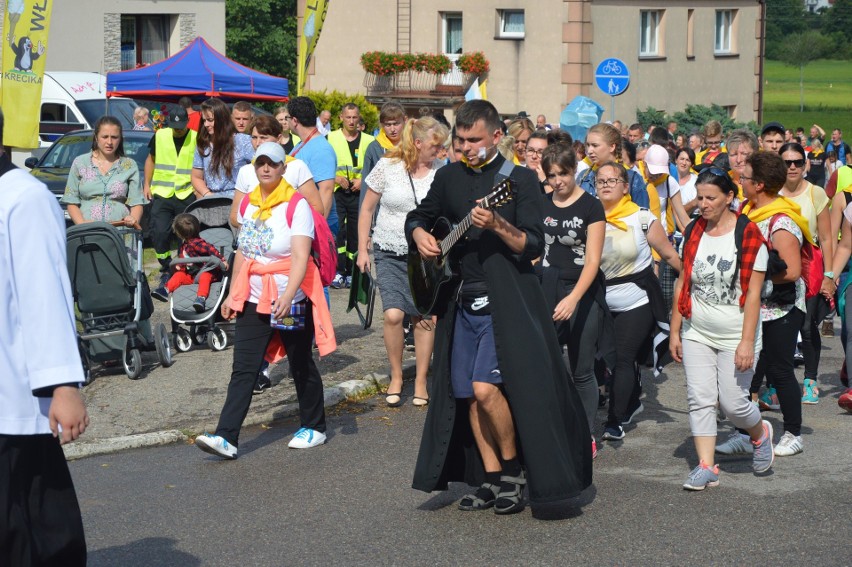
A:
x: 524, y: 392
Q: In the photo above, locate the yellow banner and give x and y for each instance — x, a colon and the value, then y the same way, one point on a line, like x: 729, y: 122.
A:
x: 312, y: 21
x: 25, y: 27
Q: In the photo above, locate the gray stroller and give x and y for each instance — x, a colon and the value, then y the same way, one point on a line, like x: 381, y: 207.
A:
x: 112, y: 298
x: 204, y: 327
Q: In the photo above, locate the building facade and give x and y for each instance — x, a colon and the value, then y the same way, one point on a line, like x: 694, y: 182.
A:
x: 117, y: 35
x: 542, y: 54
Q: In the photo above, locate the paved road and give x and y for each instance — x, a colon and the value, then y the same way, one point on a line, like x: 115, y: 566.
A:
x: 350, y: 502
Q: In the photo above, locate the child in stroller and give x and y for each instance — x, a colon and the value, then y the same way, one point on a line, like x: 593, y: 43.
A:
x: 187, y: 228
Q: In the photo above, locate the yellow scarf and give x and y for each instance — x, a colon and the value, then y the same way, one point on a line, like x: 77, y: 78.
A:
x: 592, y: 166
x: 383, y: 140
x: 515, y: 159
x: 280, y: 194
x: 779, y: 205
x: 624, y: 208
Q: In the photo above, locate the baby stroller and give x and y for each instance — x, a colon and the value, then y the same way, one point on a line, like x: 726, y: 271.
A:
x: 112, y: 298
x: 212, y: 213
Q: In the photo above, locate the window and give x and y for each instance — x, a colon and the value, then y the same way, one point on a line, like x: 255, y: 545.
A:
x: 510, y: 24
x: 452, y: 33
x: 650, y: 44
x: 144, y: 40
x: 690, y: 34
x: 724, y: 32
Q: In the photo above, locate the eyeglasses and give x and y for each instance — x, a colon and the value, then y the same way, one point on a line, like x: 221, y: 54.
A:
x: 534, y: 152
x: 611, y: 182
x: 714, y: 142
x: 798, y: 163
x: 743, y: 179
x: 286, y: 117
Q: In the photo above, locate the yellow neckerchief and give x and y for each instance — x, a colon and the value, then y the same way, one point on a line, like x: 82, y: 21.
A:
x: 624, y: 208
x: 779, y: 205
x: 643, y: 171
x: 735, y: 177
x: 592, y: 166
x: 515, y: 159
x: 280, y: 194
x: 816, y: 153
x: 383, y: 140
x: 481, y: 165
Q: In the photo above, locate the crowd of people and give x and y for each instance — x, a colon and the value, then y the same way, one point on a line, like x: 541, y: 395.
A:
x: 636, y: 237
x: 720, y: 250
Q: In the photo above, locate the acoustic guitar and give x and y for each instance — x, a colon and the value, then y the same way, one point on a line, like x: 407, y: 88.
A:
x: 427, y: 276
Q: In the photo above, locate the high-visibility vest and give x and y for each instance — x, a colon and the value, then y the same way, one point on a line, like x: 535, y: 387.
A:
x: 172, y: 171
x: 345, y: 167
x: 844, y: 178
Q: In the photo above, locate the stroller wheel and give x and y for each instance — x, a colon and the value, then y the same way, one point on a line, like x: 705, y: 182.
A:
x: 183, y: 342
x: 217, y: 339
x: 161, y: 342
x: 132, y: 361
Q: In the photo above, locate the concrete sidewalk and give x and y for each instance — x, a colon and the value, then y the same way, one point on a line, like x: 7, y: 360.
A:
x: 169, y: 404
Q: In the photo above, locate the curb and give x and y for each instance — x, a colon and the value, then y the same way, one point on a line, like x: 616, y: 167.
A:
x: 334, y: 395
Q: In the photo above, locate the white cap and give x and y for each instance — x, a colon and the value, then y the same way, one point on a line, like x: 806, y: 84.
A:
x: 273, y: 150
x: 657, y: 159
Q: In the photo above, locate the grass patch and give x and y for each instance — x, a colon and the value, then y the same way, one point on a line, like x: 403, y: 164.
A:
x: 828, y: 95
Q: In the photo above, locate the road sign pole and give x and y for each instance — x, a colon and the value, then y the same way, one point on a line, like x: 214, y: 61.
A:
x: 612, y: 109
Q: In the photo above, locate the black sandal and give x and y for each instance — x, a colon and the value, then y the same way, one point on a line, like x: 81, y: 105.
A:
x: 510, y: 498
x: 482, y: 499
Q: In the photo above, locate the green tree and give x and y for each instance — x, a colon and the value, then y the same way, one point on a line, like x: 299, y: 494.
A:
x: 838, y: 19
x: 783, y: 19
x: 799, y: 50
x: 261, y: 34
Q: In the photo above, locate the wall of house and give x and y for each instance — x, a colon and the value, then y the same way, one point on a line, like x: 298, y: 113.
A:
x: 90, y: 39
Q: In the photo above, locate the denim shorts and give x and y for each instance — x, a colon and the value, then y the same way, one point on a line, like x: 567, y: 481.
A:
x: 474, y: 355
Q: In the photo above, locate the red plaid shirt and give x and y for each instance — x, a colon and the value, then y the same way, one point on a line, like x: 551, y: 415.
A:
x: 196, y: 248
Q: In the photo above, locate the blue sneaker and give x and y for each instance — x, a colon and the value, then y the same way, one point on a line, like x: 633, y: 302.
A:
x: 702, y: 476
x: 338, y: 282
x: 613, y: 433
x: 768, y: 400
x: 306, y: 438
x: 764, y: 453
x: 810, y: 392
x: 216, y: 445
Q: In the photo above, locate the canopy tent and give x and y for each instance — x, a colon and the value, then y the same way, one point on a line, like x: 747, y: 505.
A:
x: 197, y: 71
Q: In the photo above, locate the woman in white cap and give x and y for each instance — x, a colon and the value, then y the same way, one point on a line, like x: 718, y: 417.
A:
x: 277, y: 298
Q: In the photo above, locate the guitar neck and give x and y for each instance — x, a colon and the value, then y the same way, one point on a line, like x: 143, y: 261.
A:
x: 451, y: 239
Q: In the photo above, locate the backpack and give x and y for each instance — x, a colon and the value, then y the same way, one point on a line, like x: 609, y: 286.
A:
x: 323, y: 246
x: 812, y: 263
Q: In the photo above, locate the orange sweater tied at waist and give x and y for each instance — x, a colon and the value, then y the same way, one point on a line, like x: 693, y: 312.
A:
x: 311, y: 285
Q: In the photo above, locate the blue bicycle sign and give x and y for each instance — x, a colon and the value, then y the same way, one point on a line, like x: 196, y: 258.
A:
x: 612, y: 76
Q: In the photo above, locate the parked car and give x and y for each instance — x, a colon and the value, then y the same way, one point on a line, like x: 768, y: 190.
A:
x: 52, y: 168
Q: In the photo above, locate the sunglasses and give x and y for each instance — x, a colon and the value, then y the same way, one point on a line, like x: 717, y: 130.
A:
x: 797, y: 163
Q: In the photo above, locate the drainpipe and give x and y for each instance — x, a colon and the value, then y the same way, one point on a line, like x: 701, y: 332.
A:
x: 762, y: 58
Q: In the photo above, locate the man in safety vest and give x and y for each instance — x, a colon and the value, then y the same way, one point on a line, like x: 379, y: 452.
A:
x: 350, y: 147
x: 168, y: 186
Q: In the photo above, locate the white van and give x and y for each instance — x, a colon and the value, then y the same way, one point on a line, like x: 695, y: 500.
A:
x: 72, y: 100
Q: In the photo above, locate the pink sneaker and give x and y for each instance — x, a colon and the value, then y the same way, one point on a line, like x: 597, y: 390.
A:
x: 845, y: 400
x: 594, y: 448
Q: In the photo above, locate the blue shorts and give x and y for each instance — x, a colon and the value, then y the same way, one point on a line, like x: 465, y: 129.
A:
x: 474, y: 355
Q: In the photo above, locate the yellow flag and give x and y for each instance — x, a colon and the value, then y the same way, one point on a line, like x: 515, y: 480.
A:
x: 483, y: 89
x: 25, y: 28
x: 314, y: 16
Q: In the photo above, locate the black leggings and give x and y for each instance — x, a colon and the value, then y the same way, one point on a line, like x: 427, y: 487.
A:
x: 253, y: 334
x: 580, y: 334
x: 777, y: 364
x: 811, y: 339
x: 631, y: 332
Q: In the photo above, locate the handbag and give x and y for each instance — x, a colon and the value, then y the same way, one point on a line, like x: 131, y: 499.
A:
x: 362, y: 291
x: 294, y: 320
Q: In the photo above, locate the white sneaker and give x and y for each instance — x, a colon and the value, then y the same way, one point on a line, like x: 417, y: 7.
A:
x: 789, y: 445
x: 216, y: 445
x: 306, y: 438
x: 737, y: 444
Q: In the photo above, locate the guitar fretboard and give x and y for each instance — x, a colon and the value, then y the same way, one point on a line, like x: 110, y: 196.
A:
x: 448, y: 242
